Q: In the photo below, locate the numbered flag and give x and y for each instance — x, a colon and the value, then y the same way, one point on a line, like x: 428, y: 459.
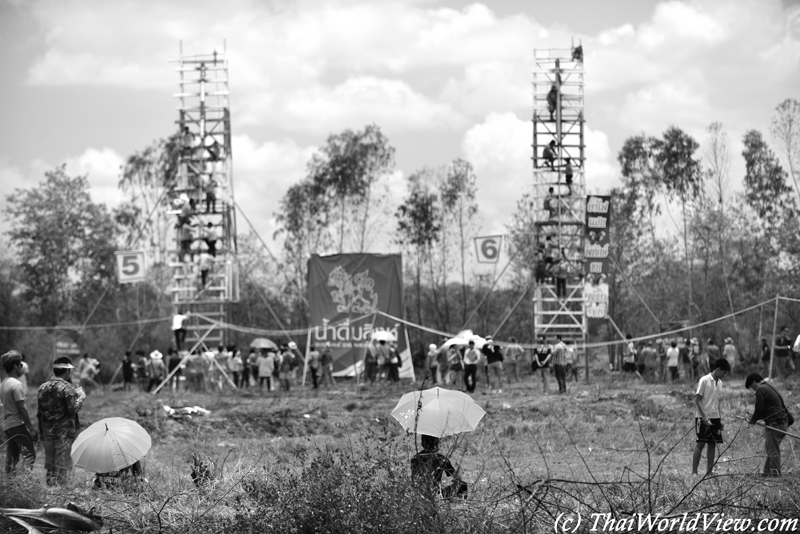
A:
x: 488, y: 248
x: 130, y: 266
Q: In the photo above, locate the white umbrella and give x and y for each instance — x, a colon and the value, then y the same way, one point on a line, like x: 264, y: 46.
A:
x: 443, y: 412
x: 458, y: 341
x: 382, y: 335
x: 110, y: 445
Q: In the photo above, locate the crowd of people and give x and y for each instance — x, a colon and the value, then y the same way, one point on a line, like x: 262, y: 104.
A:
x: 263, y: 369
x: 671, y: 359
x: 452, y: 364
x: 449, y: 364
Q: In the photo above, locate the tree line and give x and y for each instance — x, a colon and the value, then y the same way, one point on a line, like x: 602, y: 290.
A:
x: 683, y: 243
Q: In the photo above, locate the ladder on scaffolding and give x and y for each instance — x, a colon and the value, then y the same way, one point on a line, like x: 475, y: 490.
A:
x: 203, y: 197
x: 559, y: 206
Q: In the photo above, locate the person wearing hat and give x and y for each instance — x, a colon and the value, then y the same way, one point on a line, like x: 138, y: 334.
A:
x: 158, y: 370
x: 730, y: 353
x: 19, y: 431
x: 59, y: 404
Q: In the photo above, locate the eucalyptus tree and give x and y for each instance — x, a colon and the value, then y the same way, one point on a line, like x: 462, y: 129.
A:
x: 460, y: 207
x: 344, y: 173
x: 681, y: 175
x: 145, y: 178
x: 419, y: 227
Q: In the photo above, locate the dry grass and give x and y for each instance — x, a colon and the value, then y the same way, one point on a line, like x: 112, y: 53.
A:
x: 335, y: 462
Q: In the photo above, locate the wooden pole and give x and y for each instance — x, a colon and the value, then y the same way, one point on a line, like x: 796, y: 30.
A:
x: 795, y: 436
x: 774, y: 332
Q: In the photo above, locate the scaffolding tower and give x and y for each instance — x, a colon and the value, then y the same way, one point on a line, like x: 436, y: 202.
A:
x: 559, y: 190
x: 201, y: 202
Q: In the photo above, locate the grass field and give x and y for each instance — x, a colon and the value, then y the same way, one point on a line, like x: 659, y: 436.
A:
x: 334, y: 461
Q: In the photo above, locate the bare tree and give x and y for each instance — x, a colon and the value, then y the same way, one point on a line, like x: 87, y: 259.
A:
x: 717, y: 157
x: 785, y: 129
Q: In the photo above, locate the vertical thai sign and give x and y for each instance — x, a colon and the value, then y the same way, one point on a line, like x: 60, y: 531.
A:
x: 595, y: 254
x: 345, y: 292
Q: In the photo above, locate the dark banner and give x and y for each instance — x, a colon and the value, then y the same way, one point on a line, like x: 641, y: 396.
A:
x: 595, y: 254
x: 345, y: 292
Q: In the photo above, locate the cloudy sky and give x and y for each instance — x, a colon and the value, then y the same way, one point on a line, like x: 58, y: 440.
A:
x: 88, y: 82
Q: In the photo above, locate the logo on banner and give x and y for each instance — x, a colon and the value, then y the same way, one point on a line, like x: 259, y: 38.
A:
x: 488, y: 248
x: 130, y: 266
x: 354, y: 293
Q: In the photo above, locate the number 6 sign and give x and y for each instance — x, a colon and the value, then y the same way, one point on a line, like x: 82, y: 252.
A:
x: 488, y: 248
x: 130, y: 266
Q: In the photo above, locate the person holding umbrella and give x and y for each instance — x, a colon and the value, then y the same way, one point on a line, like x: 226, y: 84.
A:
x: 429, y: 466
x: 435, y: 413
x: 112, y: 448
x: 59, y: 404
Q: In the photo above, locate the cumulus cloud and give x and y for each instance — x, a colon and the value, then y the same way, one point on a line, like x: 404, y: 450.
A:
x: 363, y: 100
x: 102, y: 169
x: 308, y: 68
x: 692, y: 63
x: 499, y: 148
x: 263, y: 172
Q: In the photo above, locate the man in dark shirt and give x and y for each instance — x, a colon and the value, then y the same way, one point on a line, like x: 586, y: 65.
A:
x: 429, y: 466
x: 552, y: 101
x: 494, y: 361
x: 783, y: 354
x: 549, y: 154
x: 771, y: 409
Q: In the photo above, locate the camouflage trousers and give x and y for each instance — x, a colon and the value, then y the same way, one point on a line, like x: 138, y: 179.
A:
x: 57, y: 459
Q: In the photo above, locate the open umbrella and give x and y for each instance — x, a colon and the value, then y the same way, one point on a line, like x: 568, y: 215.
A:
x: 263, y: 343
x: 382, y: 335
x: 443, y: 412
x: 110, y: 445
x: 459, y: 341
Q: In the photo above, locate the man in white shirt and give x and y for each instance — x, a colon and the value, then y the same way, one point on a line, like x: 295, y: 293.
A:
x: 18, y: 428
x: 179, y: 330
x: 708, y: 415
x: 730, y: 353
x: 514, y: 353
x: 471, y: 358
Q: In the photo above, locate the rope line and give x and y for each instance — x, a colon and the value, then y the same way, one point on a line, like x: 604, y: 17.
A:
x: 300, y: 331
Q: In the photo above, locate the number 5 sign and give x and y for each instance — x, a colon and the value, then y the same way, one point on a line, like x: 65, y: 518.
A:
x: 488, y: 248
x: 130, y: 266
